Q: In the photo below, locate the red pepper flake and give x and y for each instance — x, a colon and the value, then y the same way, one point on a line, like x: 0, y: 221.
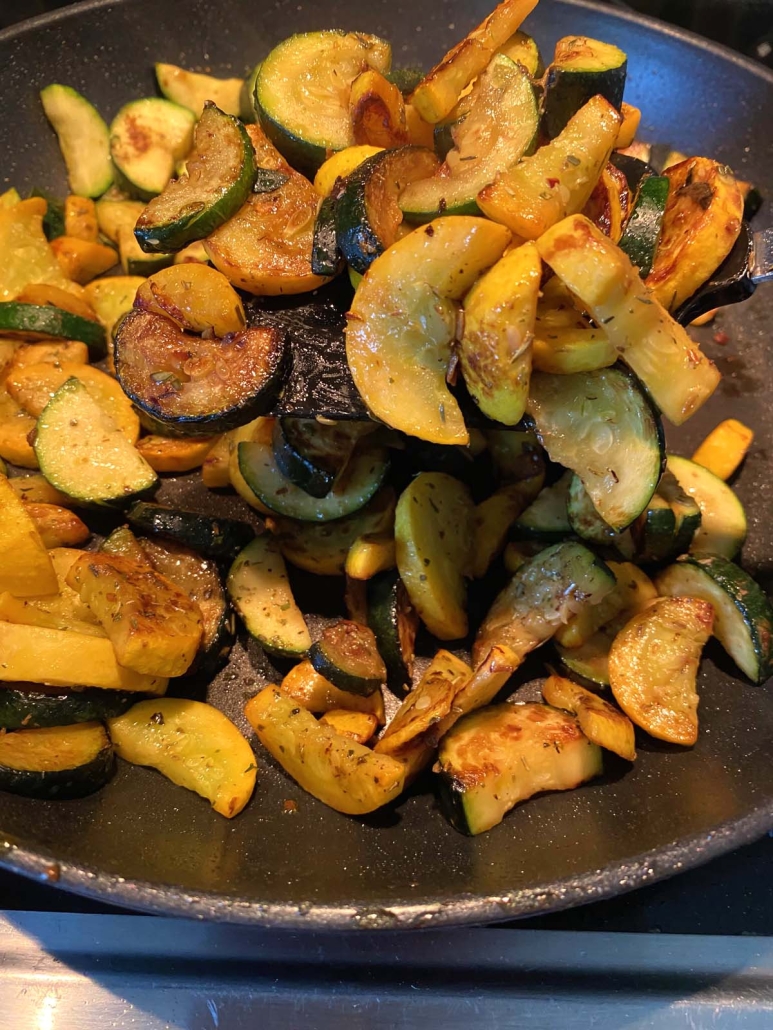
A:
x: 721, y: 338
x: 290, y: 807
x: 552, y: 183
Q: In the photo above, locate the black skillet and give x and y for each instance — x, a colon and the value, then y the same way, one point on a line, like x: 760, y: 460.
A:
x: 142, y: 842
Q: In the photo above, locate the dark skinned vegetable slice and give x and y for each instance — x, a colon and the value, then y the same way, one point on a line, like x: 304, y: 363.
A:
x: 367, y: 212
x: 581, y: 68
x: 56, y: 762
x: 347, y: 655
x: 40, y: 322
x: 268, y: 180
x: 229, y: 382
x: 325, y: 256
x: 394, y: 622
x: 213, y: 536
x: 27, y: 706
x: 53, y: 219
x: 633, y: 168
x: 311, y: 454
x: 297, y: 468
x: 642, y: 233
x: 218, y: 179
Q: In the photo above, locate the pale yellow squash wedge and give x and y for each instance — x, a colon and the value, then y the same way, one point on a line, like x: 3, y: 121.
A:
x: 724, y: 448
x: 25, y: 567
x: 306, y: 687
x: 601, y: 722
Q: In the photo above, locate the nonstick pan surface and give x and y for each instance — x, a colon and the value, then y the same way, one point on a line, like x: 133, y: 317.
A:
x: 145, y: 843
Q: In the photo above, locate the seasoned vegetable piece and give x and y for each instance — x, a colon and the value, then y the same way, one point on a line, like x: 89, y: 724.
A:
x: 42, y: 321
x: 367, y: 215
x: 193, y: 90
x: 642, y: 233
x: 197, y: 385
x: 495, y: 348
x: 603, y: 426
x: 433, y: 537
x: 167, y: 454
x: 154, y: 627
x: 581, y: 68
x: 15, y: 427
x: 743, y: 618
x: 360, y: 726
x: 655, y: 531
x: 36, y: 489
x: 25, y: 566
x: 724, y: 448
x: 670, y: 365
x: 82, y: 260
x: 493, y: 518
x: 601, y: 722
x: 197, y: 298
x: 25, y: 254
x: 217, y: 181
x: 493, y: 759
x: 57, y: 762
x: 722, y: 528
x: 547, y: 518
x: 347, y: 655
x: 112, y: 297
x: 194, y: 745
x: 207, y: 534
x: 265, y: 248
x: 57, y: 526
x: 629, y: 127
x: 653, y: 664
x: 214, y: 470
x: 83, y: 139
x: 377, y: 110
x: 325, y: 254
x: 312, y: 455
x: 522, y: 48
x: 589, y: 663
x: 84, y: 453
x: 438, y: 91
x: 608, y: 204
x: 687, y: 514
x: 544, y: 593
x: 429, y: 702
x: 404, y: 312
x: 340, y: 165
x: 147, y: 138
x: 304, y: 685
x: 701, y: 223
x: 259, y: 590
x: 565, y: 341
x: 26, y: 706
x: 633, y: 591
x: 589, y: 525
x: 333, y: 768
x: 494, y: 127
x: 303, y: 87
x: 394, y: 622
x: 60, y: 610
x: 558, y: 180
x: 55, y: 352
x: 370, y: 554
x: 65, y: 658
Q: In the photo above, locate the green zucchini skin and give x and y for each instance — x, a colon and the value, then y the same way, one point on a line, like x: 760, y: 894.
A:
x: 52, y: 321
x: 547, y: 517
x: 299, y: 469
x: 325, y: 255
x: 214, y: 537
x: 197, y: 218
x: 268, y: 180
x: 368, y: 194
x: 743, y: 615
x: 62, y: 784
x: 28, y: 709
x: 394, y: 622
x: 656, y: 531
x: 53, y: 219
x: 642, y: 233
x: 586, y: 522
x: 347, y: 655
x: 567, y: 89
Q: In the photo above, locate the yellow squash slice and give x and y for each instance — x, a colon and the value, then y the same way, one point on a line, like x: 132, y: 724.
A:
x: 25, y: 567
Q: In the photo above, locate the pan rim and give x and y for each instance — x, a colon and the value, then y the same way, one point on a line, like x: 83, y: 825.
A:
x: 616, y: 878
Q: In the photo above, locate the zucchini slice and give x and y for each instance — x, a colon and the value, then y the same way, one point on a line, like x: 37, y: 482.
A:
x: 724, y: 448
x: 687, y: 514
x: 302, y: 92
x: 347, y: 655
x: 153, y: 626
x: 589, y: 525
x: 495, y: 348
x: 655, y: 531
x: 324, y: 548
x: 581, y: 68
x: 367, y: 213
x: 27, y: 706
x: 300, y: 470
x: 147, y: 138
x: 633, y: 591
x: 83, y: 138
x: 43, y: 321
x: 360, y: 726
x: 722, y: 527
x: 84, y: 453
x: 325, y: 255
x: 658, y: 350
x: 404, y: 311
x: 56, y: 763
x: 304, y: 686
x: 702, y: 221
x: 394, y: 622
x: 642, y: 233
x: 547, y: 517
x: 345, y: 775
x: 494, y: 517
x: 196, y: 297
x: 260, y: 592
x: 258, y: 466
x: 65, y: 658
x: 602, y: 426
x: 191, y: 743
x: 210, y: 535
x: 743, y: 617
x: 601, y: 722
x: 433, y: 539
x: 194, y: 90
x: 589, y: 663
x: 497, y: 126
x: 196, y: 385
x: 25, y: 565
x: 653, y: 665
x: 311, y: 455
x: 542, y: 595
x: 493, y: 759
x: 522, y: 48
x: 219, y: 174
x: 437, y: 93
x: 559, y: 179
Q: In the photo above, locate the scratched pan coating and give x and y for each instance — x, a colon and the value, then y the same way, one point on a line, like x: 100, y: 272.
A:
x: 144, y: 843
